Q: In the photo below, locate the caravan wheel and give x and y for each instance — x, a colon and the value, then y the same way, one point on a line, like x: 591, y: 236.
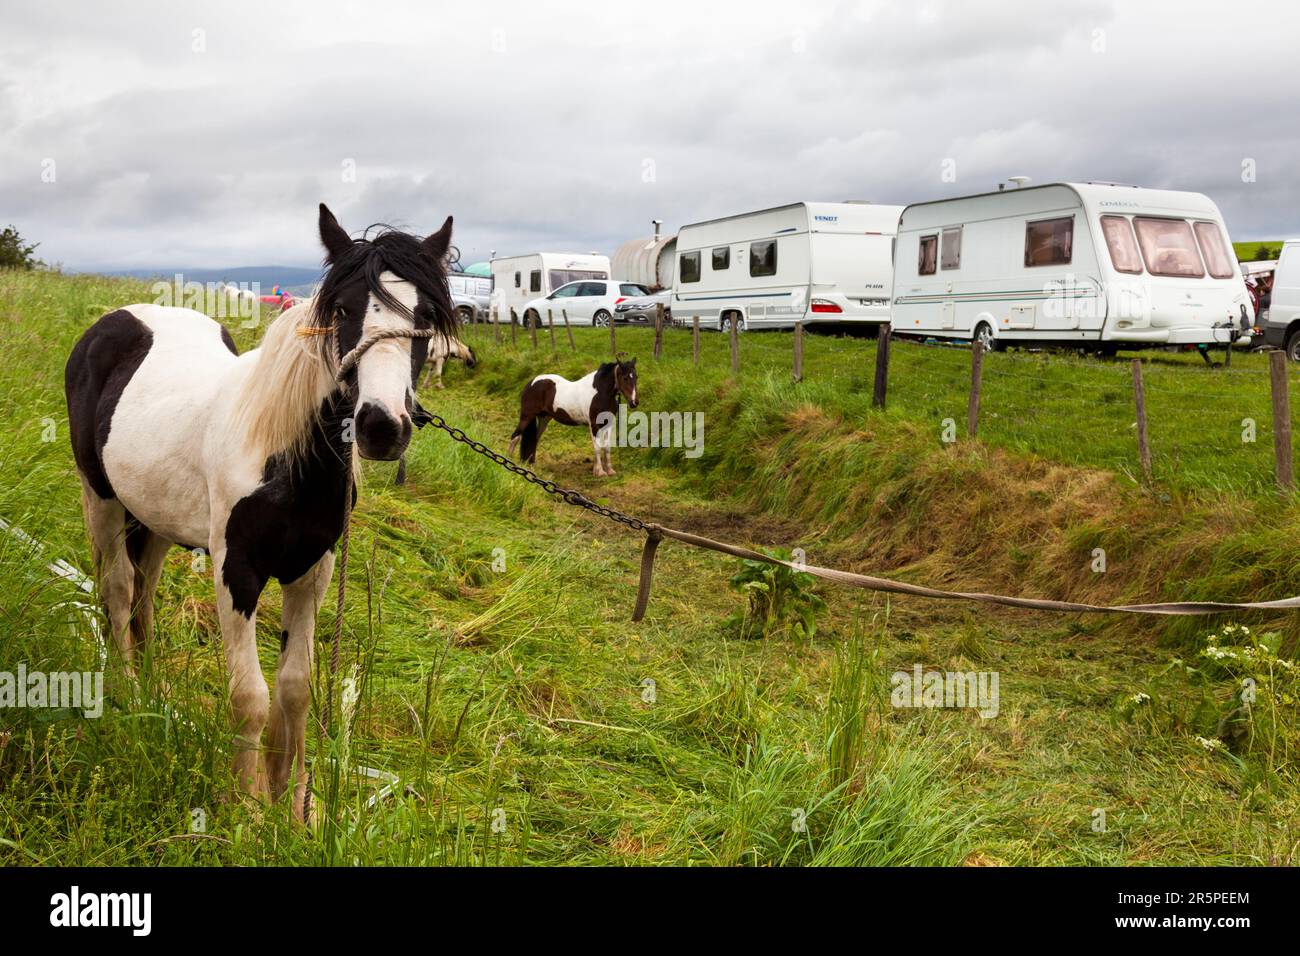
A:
x: 725, y: 322
x: 984, y: 335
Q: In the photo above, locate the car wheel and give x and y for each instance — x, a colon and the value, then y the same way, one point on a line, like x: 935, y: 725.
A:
x: 600, y: 319
x: 532, y: 319
x: 984, y: 335
x: 1293, y: 346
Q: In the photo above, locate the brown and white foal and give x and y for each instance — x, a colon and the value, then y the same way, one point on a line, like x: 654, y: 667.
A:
x: 592, y: 401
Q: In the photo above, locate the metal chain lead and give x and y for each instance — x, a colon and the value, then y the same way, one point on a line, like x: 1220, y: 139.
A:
x: 569, y: 496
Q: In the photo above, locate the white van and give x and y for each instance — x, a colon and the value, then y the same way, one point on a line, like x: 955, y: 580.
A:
x: 1283, y: 326
x: 817, y: 262
x: 1085, y: 265
x: 516, y: 280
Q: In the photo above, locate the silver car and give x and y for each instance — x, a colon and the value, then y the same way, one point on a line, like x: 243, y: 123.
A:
x: 469, y: 293
x: 642, y: 308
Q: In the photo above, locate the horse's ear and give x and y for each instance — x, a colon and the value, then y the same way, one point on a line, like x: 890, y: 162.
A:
x: 332, y: 235
x: 439, y: 242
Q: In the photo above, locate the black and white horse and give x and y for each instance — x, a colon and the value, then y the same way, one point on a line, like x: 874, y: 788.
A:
x: 179, y: 440
x: 592, y: 401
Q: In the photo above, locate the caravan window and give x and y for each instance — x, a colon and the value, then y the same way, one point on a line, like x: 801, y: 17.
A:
x: 516, y: 280
x: 1213, y: 250
x: 929, y: 255
x: 1123, y: 247
x: 688, y: 267
x: 561, y: 277
x: 535, y: 281
x: 1168, y: 247
x: 721, y: 258
x: 1049, y: 242
x: 951, y: 254
x: 762, y: 258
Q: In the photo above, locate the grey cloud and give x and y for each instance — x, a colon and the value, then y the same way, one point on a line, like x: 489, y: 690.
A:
x: 168, y: 157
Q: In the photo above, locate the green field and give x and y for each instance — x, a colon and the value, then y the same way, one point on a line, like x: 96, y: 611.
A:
x: 531, y: 722
x: 1250, y: 251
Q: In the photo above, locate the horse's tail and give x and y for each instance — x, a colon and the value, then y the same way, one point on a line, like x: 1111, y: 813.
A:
x: 528, y: 450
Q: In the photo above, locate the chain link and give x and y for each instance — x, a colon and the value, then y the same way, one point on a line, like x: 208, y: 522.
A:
x: 568, y: 495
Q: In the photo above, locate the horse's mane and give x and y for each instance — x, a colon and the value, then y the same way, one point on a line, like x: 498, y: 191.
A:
x: 281, y: 399
x: 389, y: 251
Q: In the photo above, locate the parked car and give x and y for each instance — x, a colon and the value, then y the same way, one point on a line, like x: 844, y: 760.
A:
x: 588, y: 302
x: 469, y: 293
x: 642, y: 308
x: 1282, y: 326
x: 517, y: 280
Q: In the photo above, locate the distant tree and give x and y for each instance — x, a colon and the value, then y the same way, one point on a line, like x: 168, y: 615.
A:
x: 15, y: 253
x: 1263, y: 253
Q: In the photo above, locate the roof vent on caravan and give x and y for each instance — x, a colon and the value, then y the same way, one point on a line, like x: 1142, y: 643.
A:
x: 1018, y: 180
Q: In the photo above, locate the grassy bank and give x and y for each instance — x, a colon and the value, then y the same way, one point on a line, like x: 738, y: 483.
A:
x: 530, y: 722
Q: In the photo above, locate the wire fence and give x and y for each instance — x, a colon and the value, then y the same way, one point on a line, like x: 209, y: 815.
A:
x: 1210, y: 426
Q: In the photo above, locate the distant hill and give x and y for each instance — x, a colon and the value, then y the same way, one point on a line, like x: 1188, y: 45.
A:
x: 296, y: 279
x: 1250, y: 251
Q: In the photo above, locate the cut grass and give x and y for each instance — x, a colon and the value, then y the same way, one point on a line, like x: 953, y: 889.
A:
x: 513, y: 704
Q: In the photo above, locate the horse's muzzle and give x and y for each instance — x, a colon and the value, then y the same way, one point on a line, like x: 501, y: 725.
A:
x: 380, y: 436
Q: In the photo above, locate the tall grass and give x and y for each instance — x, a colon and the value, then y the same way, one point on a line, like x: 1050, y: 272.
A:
x: 513, y: 705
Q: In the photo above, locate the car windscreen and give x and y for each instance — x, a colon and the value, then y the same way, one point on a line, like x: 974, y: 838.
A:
x: 631, y: 288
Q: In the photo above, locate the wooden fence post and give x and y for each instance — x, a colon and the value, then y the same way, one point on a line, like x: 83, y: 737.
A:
x: 1140, y: 403
x: 613, y: 340
x: 735, y: 347
x: 550, y: 324
x: 695, y: 337
x: 532, y: 328
x: 564, y: 314
x: 976, y: 383
x: 659, y: 329
x: 1281, y: 420
x: 496, y: 324
x: 798, y: 351
x: 881, y: 385
x: 514, y: 321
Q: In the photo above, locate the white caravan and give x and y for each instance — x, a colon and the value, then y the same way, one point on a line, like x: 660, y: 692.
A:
x: 828, y: 263
x: 1087, y: 265
x: 516, y: 280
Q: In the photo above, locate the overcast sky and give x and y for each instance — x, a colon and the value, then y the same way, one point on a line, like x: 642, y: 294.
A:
x: 204, y: 134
